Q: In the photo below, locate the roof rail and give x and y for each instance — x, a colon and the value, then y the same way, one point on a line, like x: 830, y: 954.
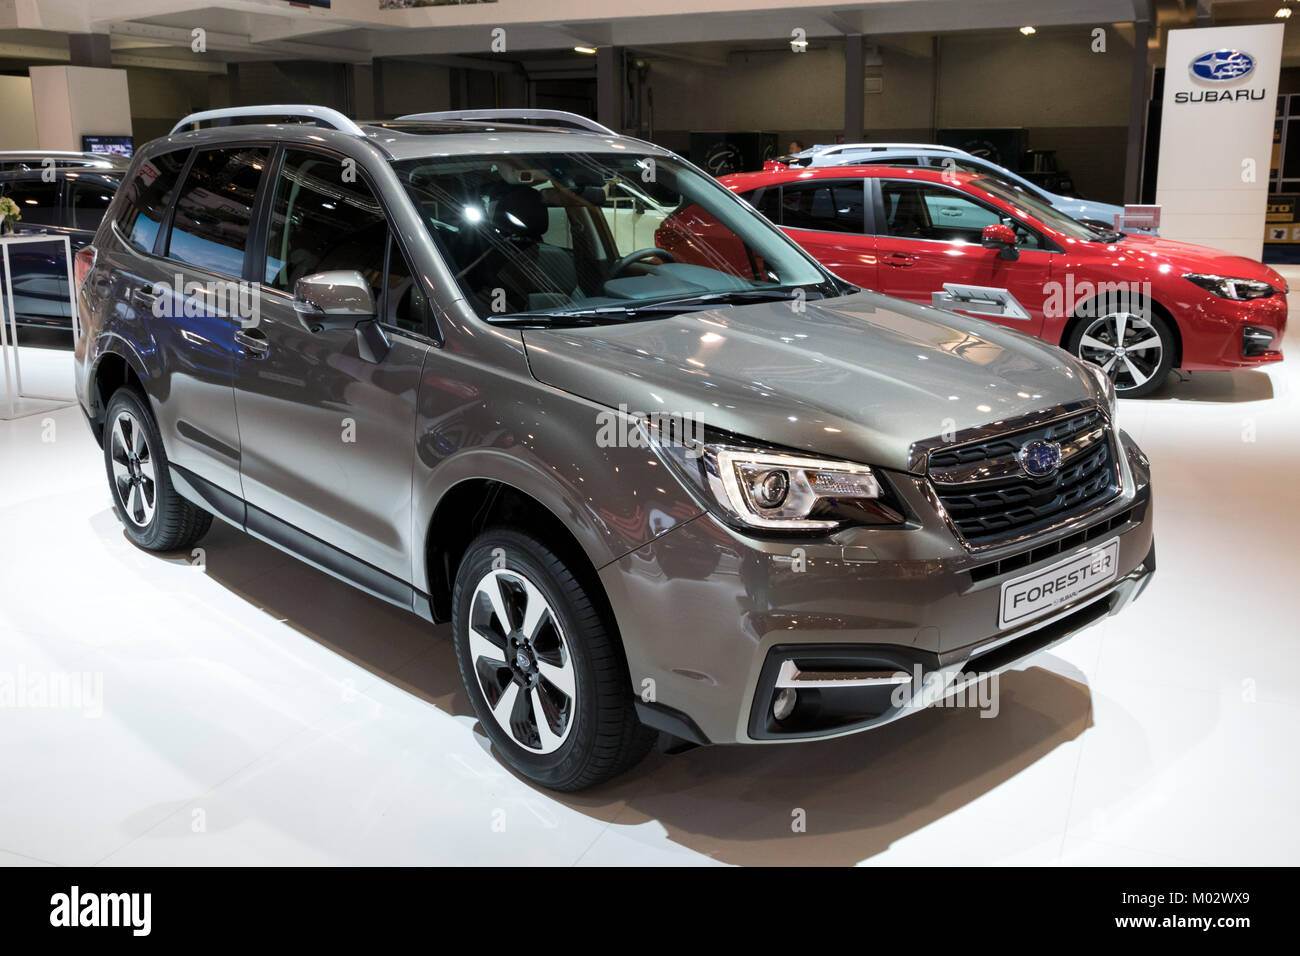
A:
x: 322, y: 115
x: 504, y: 115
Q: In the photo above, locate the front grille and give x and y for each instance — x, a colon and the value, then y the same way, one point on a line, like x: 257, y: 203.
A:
x: 989, y: 497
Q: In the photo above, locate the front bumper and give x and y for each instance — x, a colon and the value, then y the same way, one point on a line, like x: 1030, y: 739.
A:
x: 708, y: 615
x: 1220, y: 333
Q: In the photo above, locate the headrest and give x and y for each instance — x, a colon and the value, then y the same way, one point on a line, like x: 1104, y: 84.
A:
x: 520, y: 211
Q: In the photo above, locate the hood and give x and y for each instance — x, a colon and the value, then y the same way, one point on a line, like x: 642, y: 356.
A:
x: 1184, y: 257
x: 859, y: 378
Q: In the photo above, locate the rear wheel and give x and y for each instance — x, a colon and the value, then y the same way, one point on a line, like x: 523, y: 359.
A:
x: 1136, y: 350
x: 543, y: 669
x: 154, y: 515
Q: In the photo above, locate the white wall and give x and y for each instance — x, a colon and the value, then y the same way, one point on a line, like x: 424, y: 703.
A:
x: 17, y: 115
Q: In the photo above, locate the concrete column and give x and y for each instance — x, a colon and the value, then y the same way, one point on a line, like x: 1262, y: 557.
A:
x: 90, y: 49
x: 1137, y: 114
x: 609, y: 87
x: 377, y: 77
x: 73, y: 101
x: 362, y: 101
x: 854, y: 97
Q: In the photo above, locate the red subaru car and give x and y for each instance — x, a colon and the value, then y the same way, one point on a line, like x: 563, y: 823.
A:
x: 1135, y: 305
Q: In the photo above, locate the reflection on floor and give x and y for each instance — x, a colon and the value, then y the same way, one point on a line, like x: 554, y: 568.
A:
x: 254, y: 710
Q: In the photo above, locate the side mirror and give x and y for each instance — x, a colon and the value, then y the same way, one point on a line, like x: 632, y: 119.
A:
x: 333, y: 300
x: 340, y: 300
x: 1002, y: 237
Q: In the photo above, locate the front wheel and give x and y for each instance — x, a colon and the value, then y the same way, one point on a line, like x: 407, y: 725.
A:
x: 1135, y: 350
x: 543, y: 669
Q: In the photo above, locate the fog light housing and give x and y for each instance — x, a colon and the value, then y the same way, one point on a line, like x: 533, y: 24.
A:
x: 1255, y: 341
x: 783, y: 705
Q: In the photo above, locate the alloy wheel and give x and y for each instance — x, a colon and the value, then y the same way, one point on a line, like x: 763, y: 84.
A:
x: 133, y: 470
x: 522, y: 661
x: 1127, y: 346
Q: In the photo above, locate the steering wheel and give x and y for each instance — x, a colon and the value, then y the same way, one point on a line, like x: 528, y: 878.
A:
x: 617, y: 268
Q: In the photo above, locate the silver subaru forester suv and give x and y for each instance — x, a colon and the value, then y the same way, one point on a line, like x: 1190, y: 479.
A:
x: 662, y: 472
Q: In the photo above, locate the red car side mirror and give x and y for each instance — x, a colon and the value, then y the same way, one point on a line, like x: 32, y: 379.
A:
x: 1002, y: 237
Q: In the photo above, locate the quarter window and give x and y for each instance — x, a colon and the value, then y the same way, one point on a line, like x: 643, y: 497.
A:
x: 148, y: 195
x: 214, y: 209
x: 403, y: 303
x: 87, y: 203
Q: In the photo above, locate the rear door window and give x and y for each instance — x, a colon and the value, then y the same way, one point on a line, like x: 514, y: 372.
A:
x: 148, y: 194
x: 826, y: 205
x: 37, y: 201
x: 214, y: 209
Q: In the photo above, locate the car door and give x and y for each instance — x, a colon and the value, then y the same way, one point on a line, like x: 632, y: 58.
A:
x: 928, y: 237
x: 191, y: 293
x: 828, y: 218
x: 328, y: 435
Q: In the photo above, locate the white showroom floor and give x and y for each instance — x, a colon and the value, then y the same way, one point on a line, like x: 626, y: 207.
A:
x: 257, y: 711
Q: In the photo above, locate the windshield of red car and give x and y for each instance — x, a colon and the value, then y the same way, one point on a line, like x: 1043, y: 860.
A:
x: 1035, y: 208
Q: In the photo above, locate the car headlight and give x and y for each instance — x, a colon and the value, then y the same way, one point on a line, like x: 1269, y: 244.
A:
x: 1226, y: 287
x: 1107, y: 386
x: 758, y: 488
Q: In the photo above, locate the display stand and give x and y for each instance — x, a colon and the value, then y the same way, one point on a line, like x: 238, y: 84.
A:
x: 18, y: 403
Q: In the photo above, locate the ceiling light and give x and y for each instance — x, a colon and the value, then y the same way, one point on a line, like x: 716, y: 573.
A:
x: 1283, y: 13
x: 1028, y: 31
x: 584, y: 49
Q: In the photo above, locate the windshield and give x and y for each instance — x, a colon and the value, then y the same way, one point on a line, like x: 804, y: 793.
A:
x: 1036, y: 208
x: 598, y: 233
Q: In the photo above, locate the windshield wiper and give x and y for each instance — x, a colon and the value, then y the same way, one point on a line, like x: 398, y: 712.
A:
x: 700, y: 302
x: 1105, y: 235
x: 551, y: 320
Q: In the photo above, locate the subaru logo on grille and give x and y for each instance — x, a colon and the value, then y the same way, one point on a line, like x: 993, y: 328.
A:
x: 1040, y: 458
x: 1221, y: 66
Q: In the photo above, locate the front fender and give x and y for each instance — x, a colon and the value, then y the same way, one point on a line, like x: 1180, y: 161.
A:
x: 613, y: 500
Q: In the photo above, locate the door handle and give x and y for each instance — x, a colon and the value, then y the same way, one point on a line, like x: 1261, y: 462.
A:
x: 900, y: 259
x: 144, y: 297
x: 252, y: 341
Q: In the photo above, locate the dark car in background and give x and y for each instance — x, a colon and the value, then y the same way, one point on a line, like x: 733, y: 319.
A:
x: 55, y: 201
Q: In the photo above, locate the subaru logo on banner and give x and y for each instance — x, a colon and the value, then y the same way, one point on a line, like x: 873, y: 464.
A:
x: 1220, y: 66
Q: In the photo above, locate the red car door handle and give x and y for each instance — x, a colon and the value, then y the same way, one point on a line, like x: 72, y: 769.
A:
x: 900, y: 259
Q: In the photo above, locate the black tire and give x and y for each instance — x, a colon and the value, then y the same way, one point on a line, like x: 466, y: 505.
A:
x: 1126, y: 385
x: 173, y: 523
x: 602, y: 734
